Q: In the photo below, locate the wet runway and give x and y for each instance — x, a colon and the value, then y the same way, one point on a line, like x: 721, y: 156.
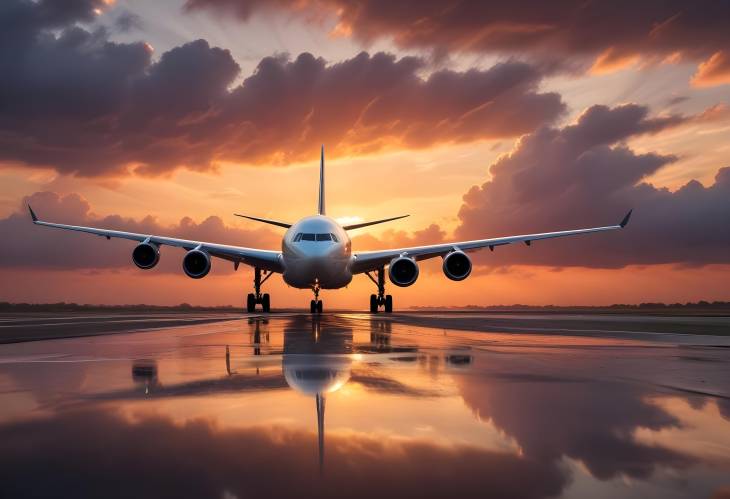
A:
x: 354, y: 405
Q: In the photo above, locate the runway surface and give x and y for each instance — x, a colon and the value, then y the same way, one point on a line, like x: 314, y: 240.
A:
x: 354, y: 405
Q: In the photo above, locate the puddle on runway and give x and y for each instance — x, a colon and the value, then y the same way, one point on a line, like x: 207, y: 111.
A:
x: 360, y: 406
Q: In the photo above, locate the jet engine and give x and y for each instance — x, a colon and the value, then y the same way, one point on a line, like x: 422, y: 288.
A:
x: 403, y: 271
x: 457, y: 266
x: 146, y: 255
x: 196, y: 263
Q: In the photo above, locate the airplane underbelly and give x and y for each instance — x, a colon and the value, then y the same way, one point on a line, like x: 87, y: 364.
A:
x: 329, y: 273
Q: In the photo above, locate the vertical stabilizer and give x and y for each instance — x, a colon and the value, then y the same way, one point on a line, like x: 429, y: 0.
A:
x: 320, y: 430
x: 320, y: 208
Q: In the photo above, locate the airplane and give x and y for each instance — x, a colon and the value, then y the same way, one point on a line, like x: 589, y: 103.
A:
x: 316, y: 253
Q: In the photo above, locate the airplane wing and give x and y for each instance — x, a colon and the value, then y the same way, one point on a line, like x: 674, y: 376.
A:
x: 367, y: 261
x: 264, y: 259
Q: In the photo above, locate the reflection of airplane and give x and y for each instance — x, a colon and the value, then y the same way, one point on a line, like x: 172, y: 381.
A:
x: 316, y: 254
x: 317, y: 359
x: 316, y: 363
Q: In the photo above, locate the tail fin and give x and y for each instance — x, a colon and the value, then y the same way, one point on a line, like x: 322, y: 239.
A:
x: 320, y: 208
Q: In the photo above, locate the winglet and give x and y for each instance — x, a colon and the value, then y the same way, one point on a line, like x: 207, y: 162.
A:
x: 625, y: 221
x: 32, y: 214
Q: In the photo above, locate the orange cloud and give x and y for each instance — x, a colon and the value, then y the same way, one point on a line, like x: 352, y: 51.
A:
x: 399, y: 239
x: 713, y: 71
x: 611, y: 60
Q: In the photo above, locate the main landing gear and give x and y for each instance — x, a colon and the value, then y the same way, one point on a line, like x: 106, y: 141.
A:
x: 257, y: 298
x: 381, y: 299
x: 315, y: 306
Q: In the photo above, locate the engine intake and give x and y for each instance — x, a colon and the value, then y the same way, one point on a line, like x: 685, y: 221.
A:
x: 403, y: 271
x: 457, y: 266
x: 196, y: 264
x: 146, y: 255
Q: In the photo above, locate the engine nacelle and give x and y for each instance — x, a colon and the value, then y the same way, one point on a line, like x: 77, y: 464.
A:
x: 196, y: 263
x: 146, y: 255
x: 403, y: 271
x: 457, y: 266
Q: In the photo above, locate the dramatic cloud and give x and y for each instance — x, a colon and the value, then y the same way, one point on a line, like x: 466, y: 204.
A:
x: 584, y: 175
x: 83, y: 451
x: 609, y: 34
x: 77, y: 102
x: 40, y: 247
x: 21, y: 18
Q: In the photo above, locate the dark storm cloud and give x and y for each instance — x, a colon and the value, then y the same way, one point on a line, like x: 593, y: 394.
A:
x: 128, y: 21
x: 96, y: 452
x: 42, y: 247
x: 73, y: 100
x: 584, y: 175
x: 608, y: 32
x: 25, y: 18
x: 368, y: 102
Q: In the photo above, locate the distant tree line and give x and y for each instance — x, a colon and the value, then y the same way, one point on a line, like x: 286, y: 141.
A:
x: 76, y: 307
x: 714, y: 307
x: 622, y: 306
x: 699, y: 306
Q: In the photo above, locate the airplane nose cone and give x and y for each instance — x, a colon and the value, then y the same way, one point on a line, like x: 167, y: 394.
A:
x: 321, y: 260
x: 323, y: 252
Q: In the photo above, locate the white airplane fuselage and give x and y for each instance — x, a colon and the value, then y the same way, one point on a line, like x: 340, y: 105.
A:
x: 316, y: 251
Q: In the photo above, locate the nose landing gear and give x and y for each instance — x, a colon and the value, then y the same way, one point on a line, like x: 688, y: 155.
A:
x: 257, y: 298
x: 381, y: 299
x: 315, y: 306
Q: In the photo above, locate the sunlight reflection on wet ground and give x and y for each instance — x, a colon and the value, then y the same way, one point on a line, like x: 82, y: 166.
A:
x: 362, y: 406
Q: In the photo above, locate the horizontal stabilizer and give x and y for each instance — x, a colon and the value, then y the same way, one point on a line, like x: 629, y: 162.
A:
x: 265, y: 220
x: 366, y: 224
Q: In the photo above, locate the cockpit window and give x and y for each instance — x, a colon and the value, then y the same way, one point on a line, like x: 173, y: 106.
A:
x: 302, y: 236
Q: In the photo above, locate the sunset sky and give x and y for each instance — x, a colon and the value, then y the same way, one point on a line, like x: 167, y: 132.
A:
x: 477, y: 119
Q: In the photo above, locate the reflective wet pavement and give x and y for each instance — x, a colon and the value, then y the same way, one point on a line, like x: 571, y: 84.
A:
x: 356, y: 405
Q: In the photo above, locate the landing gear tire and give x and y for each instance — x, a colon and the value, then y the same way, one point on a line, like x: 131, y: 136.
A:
x: 315, y: 306
x: 381, y: 299
x: 253, y: 298
x: 373, y: 304
x: 388, y: 304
